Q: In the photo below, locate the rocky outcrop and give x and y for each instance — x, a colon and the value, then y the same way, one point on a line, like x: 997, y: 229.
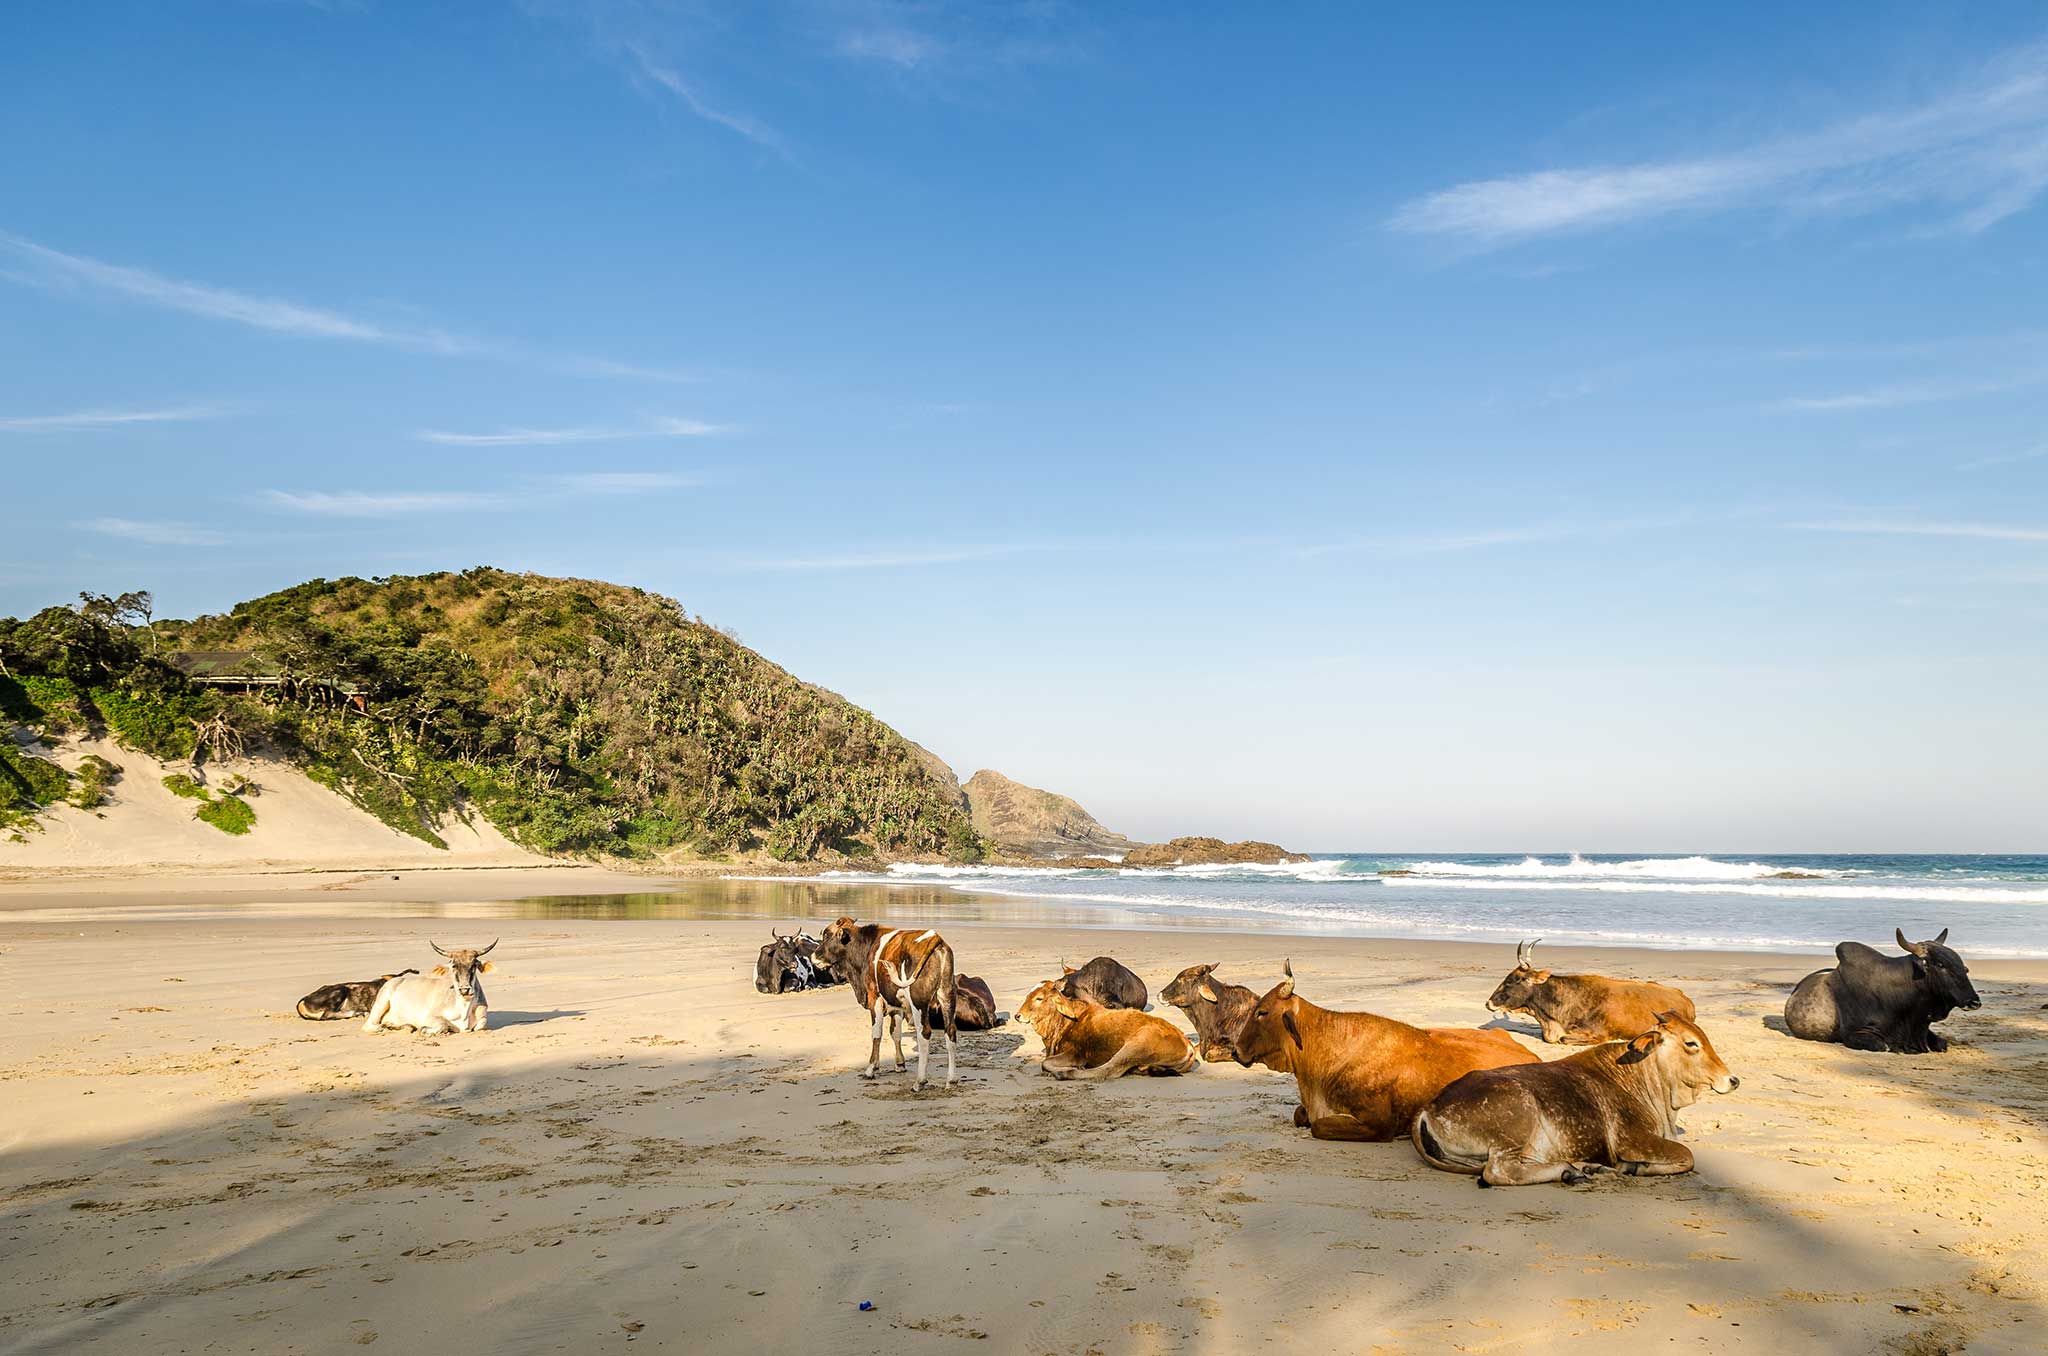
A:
x: 1025, y: 821
x: 1210, y: 852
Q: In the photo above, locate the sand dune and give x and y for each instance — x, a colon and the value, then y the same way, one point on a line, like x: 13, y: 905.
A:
x: 646, y: 1152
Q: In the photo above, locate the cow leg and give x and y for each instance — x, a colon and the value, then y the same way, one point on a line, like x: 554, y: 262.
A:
x: 1118, y: 1064
x: 1653, y: 1157
x: 896, y: 1036
x: 1345, y: 1127
x: 1058, y: 1066
x: 1936, y: 1042
x: 1553, y: 1032
x: 924, y: 1044
x: 1300, y: 1117
x: 478, y: 1018
x: 1510, y: 1167
x: 379, y: 1008
x: 1864, y: 1038
x: 875, y: 1048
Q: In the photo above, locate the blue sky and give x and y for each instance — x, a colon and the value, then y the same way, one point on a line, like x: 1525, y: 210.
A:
x: 1506, y: 429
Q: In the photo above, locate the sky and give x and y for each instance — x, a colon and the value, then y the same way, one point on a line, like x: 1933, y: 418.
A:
x: 1504, y: 428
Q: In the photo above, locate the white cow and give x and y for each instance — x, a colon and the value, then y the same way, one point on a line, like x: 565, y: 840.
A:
x: 448, y: 998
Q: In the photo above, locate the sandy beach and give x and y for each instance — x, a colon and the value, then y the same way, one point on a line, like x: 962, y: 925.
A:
x: 643, y: 1151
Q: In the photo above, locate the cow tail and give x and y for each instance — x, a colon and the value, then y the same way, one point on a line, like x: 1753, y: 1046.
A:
x: 943, y: 997
x: 1433, y: 1152
x: 309, y: 1016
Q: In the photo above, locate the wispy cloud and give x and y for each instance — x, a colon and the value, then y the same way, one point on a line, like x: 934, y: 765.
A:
x: 155, y: 533
x: 86, y: 420
x: 1979, y: 155
x: 664, y: 427
x: 1430, y: 544
x: 895, y: 559
x: 415, y: 503
x: 901, y: 47
x: 667, y: 77
x: 2005, y: 458
x: 1902, y: 527
x: 56, y: 270
x: 1908, y: 393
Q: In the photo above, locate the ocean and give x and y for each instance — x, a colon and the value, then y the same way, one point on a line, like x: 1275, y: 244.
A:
x: 1993, y: 906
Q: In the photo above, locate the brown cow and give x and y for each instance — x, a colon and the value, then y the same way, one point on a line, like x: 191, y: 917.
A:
x: 1217, y: 1009
x: 1584, y: 1009
x: 1362, y: 1076
x: 1086, y: 1040
x: 900, y: 974
x: 1614, y: 1105
x: 974, y: 1005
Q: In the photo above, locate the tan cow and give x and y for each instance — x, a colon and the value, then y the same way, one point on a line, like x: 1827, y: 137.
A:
x: 1086, y: 1040
x: 1362, y: 1076
x: 1613, y: 1106
x: 1583, y: 1009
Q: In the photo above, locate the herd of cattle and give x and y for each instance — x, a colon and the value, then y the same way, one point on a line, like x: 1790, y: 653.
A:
x: 1472, y: 1100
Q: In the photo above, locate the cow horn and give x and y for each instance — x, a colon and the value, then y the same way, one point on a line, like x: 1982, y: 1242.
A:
x: 487, y: 950
x: 1916, y: 948
x: 1287, y: 982
x: 1942, y: 938
x: 437, y: 947
x: 1522, y: 955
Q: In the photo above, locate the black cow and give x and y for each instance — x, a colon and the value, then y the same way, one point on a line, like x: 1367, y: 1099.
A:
x: 1106, y: 982
x: 974, y: 1005
x: 791, y: 965
x: 1871, y: 1001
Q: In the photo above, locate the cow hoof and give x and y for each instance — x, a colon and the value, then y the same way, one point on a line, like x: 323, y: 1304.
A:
x: 1301, y: 1116
x: 921, y: 1087
x: 1573, y: 1177
x: 1481, y: 1180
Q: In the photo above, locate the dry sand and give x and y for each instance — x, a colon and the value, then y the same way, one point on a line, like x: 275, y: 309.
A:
x: 643, y: 1152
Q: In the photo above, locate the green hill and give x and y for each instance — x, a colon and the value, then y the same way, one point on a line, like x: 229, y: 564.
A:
x: 578, y: 717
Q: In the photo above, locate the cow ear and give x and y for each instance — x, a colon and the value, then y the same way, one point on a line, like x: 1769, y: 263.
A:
x: 1640, y: 1047
x: 438, y: 970
x: 1205, y: 991
x: 1069, y: 1009
x: 1287, y: 1020
x: 1667, y: 1018
x: 486, y: 965
x: 1066, y: 969
x: 1541, y: 976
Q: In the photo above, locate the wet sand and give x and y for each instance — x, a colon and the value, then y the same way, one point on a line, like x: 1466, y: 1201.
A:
x: 645, y: 1152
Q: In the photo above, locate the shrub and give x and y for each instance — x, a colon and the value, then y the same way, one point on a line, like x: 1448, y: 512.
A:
x: 178, y: 784
x: 229, y: 814
x: 95, y: 775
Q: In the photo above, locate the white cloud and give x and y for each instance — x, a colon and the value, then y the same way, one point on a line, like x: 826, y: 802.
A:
x: 410, y: 503
x: 96, y: 419
x: 901, y: 47
x: 156, y: 533
x: 668, y: 78
x: 895, y: 559
x: 624, y: 482
x: 1979, y: 155
x: 1908, y: 393
x: 663, y: 427
x: 1895, y: 527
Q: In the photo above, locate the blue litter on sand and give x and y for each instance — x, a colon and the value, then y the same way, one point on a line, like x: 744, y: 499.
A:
x: 866, y: 1305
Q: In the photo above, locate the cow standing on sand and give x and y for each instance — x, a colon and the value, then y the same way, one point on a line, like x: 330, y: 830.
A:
x: 1106, y: 982
x: 1871, y: 1001
x: 1216, y: 1009
x: 447, y: 998
x: 899, y: 975
x: 1613, y: 1106
x: 1362, y: 1076
x: 1086, y: 1040
x: 1583, y: 1009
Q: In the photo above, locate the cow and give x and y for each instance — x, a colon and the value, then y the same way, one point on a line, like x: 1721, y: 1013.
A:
x: 974, y: 1005
x: 1106, y: 982
x: 339, y: 1002
x: 898, y: 974
x: 1083, y: 1039
x: 790, y: 965
x: 1583, y: 1009
x: 1871, y: 1001
x: 1613, y: 1106
x: 1361, y: 1076
x: 447, y: 998
x: 1217, y: 1009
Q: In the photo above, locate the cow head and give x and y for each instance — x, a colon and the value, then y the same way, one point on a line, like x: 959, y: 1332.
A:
x: 1190, y: 987
x: 463, y: 967
x: 832, y: 947
x: 1049, y: 1011
x: 1270, y: 1033
x: 1942, y: 971
x: 1514, y: 993
x: 1684, y: 1059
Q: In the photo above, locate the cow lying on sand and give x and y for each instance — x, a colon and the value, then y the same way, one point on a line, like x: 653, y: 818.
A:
x: 1106, y: 982
x: 900, y: 975
x: 1362, y: 1076
x: 1583, y: 1009
x: 1613, y: 1106
x: 338, y: 1002
x: 1217, y: 1009
x: 1086, y: 1040
x: 447, y: 998
x: 974, y: 1005
x: 791, y: 965
x: 1871, y: 1001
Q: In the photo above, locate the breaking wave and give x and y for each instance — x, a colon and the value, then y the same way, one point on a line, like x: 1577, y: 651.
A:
x: 1645, y: 868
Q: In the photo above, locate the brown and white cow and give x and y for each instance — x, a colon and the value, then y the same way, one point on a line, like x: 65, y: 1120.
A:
x: 1083, y: 1039
x: 1362, y: 1076
x: 1217, y: 1009
x: 1613, y: 1106
x: 1583, y: 1009
x: 899, y: 974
